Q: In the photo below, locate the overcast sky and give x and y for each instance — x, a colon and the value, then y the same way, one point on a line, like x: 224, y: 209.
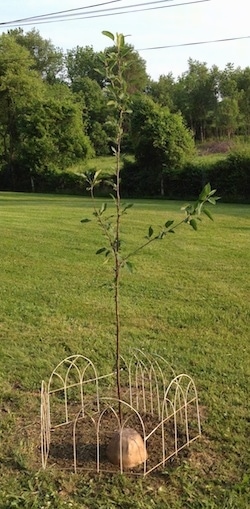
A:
x: 209, y: 20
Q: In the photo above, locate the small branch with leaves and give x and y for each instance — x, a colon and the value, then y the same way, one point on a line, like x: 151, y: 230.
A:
x: 192, y: 215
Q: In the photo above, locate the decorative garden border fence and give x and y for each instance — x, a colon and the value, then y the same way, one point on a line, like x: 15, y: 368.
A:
x: 162, y: 407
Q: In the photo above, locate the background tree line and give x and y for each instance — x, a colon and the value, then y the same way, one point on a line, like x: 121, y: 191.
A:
x: 54, y: 112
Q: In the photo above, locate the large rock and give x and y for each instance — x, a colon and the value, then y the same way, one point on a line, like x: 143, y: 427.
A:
x: 132, y: 447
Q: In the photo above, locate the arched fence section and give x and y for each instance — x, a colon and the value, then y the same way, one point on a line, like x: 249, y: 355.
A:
x: 82, y: 405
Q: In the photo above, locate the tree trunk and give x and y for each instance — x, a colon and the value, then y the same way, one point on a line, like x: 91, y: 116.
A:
x: 162, y: 185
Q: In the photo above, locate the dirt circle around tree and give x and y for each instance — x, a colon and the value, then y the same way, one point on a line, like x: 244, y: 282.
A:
x: 62, y: 451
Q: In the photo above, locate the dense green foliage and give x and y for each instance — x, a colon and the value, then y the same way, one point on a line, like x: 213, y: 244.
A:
x: 230, y: 175
x: 41, y: 125
x: 193, y: 309
x: 214, y: 103
x: 161, y: 143
x: 48, y: 60
x: 54, y: 114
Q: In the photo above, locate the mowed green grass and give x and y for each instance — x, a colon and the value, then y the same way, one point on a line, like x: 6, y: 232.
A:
x: 187, y: 299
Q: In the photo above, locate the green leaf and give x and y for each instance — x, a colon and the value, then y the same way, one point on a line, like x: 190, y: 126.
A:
x: 109, y: 226
x: 150, y: 232
x: 86, y: 220
x: 98, y: 70
x: 101, y: 250
x: 96, y: 175
x: 169, y: 223
x: 121, y: 40
x: 205, y: 191
x: 127, y: 206
x: 128, y: 266
x: 198, y: 208
x: 108, y: 34
x: 193, y: 223
x: 212, y: 200
x: 103, y: 208
x: 189, y: 209
x: 124, y: 54
x: 208, y: 214
x: 161, y: 235
x: 112, y: 103
x: 212, y: 192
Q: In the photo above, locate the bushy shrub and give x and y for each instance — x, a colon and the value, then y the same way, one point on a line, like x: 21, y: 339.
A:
x: 231, y: 176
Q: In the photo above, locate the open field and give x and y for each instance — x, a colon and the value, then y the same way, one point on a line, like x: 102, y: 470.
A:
x: 187, y: 299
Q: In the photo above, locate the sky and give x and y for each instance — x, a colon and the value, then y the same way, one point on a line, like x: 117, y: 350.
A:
x: 172, y: 25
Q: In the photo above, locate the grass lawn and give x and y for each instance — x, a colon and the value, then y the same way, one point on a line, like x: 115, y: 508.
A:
x: 187, y: 299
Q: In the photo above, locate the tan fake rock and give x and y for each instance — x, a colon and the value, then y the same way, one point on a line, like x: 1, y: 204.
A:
x: 132, y: 446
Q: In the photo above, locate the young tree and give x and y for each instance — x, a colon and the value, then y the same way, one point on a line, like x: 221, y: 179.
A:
x: 110, y: 224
